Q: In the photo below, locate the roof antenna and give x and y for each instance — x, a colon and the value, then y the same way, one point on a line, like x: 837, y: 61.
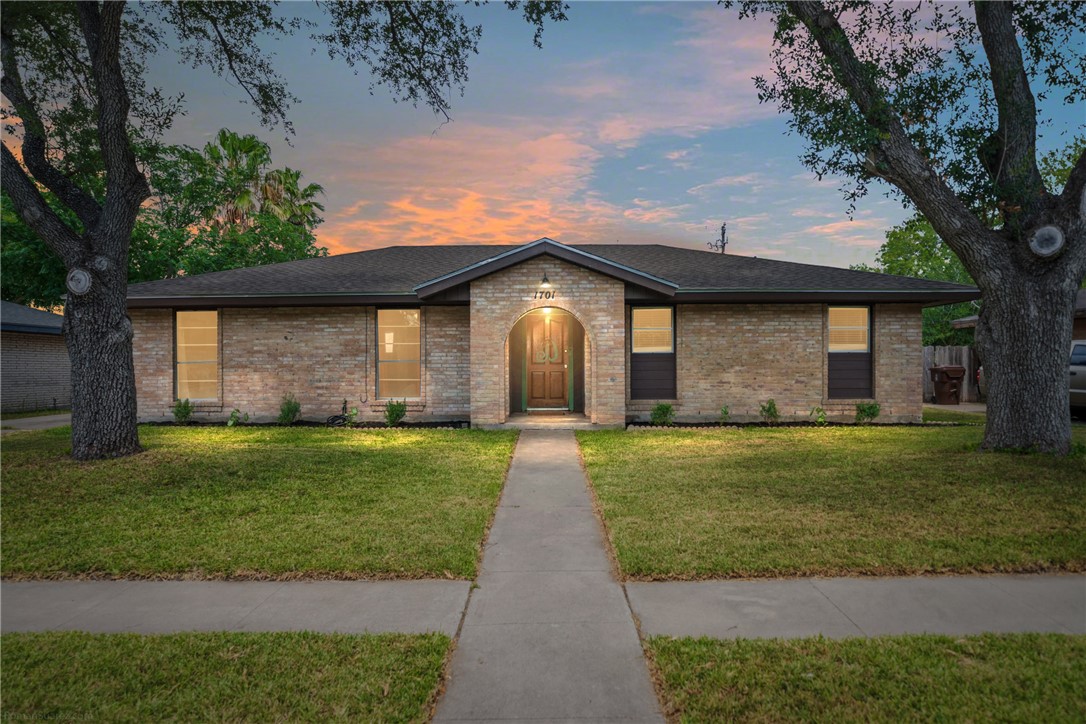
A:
x: 722, y: 244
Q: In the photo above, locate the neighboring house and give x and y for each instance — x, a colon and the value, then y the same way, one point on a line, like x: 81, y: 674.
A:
x: 1077, y: 332
x: 34, y: 370
x: 483, y: 332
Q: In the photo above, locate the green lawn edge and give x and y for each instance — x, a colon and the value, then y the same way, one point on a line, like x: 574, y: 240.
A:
x: 834, y: 501
x: 221, y: 676
x: 255, y: 503
x: 990, y: 677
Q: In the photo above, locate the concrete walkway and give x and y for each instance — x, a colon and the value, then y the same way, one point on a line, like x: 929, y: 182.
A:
x: 38, y: 423
x: 173, y: 606
x: 548, y: 633
x: 840, y: 607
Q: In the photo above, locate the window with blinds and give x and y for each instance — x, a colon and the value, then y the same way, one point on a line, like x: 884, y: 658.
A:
x: 850, y: 370
x: 850, y: 329
x: 652, y: 330
x: 399, y: 354
x: 652, y: 353
x: 197, y: 356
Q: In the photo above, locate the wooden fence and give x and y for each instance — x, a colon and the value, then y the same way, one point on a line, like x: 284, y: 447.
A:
x: 961, y: 356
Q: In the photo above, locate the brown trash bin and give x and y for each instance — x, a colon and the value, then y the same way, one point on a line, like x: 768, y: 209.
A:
x: 947, y: 380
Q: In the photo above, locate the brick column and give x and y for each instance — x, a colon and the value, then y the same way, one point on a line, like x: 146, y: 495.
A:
x: 500, y: 299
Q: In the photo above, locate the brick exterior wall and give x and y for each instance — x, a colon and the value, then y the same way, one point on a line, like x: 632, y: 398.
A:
x: 500, y: 299
x: 152, y: 358
x: 34, y: 372
x: 447, y: 361
x: 320, y: 354
x: 899, y: 362
x: 741, y: 355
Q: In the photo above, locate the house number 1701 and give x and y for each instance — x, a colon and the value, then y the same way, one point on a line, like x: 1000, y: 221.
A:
x: 549, y: 294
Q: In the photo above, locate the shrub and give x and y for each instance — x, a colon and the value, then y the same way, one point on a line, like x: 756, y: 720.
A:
x: 866, y: 411
x: 349, y: 415
x: 769, y: 412
x: 289, y: 409
x: 725, y: 413
x: 819, y: 415
x: 182, y: 411
x: 663, y: 415
x: 237, y: 418
x: 395, y: 412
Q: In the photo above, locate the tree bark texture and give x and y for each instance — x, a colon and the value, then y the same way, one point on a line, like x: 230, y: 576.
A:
x: 98, y: 331
x: 1023, y: 337
x: 1024, y: 331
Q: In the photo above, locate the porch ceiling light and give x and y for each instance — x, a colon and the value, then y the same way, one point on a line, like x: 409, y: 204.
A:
x: 546, y: 283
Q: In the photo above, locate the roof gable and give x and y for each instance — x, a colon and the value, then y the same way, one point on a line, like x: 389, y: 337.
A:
x: 545, y: 247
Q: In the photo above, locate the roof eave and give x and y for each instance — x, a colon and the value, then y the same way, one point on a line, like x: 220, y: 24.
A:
x: 270, y: 300
x: 30, y: 329
x: 927, y: 297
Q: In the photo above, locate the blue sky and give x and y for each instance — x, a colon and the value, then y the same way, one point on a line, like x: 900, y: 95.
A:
x: 635, y: 123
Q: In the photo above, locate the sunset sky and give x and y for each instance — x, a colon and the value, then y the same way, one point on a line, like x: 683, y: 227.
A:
x: 634, y: 123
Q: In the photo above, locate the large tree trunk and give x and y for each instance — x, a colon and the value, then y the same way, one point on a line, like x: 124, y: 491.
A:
x: 1024, y: 340
x: 99, y: 337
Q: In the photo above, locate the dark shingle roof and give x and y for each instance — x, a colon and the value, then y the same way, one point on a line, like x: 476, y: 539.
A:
x: 17, y: 318
x: 399, y: 269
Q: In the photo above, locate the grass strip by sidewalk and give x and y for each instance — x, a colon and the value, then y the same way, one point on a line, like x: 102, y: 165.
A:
x: 765, y: 502
x: 254, y: 503
x: 220, y: 676
x: 1014, y: 677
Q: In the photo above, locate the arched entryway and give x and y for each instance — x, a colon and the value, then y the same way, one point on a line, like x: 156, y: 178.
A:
x: 547, y: 349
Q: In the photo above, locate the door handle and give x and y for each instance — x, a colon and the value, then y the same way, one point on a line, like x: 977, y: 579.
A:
x: 1074, y: 373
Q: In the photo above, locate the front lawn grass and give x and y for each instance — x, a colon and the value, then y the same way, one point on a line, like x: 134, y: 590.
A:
x: 758, y: 502
x: 254, y: 502
x: 1017, y: 677
x: 220, y: 676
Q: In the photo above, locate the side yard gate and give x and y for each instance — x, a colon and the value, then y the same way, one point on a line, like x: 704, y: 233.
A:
x: 963, y: 356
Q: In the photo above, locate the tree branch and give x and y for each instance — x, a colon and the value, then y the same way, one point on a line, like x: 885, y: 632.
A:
x: 33, y: 148
x: 436, y: 100
x: 36, y: 213
x: 895, y: 158
x: 1012, y: 157
x: 1074, y: 191
x: 126, y: 186
x: 78, y: 70
x: 231, y: 63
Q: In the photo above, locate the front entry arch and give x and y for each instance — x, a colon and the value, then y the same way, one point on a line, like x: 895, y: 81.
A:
x: 546, y: 362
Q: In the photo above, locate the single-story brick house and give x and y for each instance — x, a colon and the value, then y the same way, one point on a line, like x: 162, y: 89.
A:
x: 35, y: 373
x: 484, y: 332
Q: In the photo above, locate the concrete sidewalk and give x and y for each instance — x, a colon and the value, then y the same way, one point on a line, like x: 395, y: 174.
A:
x: 840, y: 607
x: 172, y: 606
x: 548, y: 634
x: 44, y: 422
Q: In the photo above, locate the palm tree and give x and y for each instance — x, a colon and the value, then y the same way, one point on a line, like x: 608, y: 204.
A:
x: 283, y: 196
x: 236, y: 163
